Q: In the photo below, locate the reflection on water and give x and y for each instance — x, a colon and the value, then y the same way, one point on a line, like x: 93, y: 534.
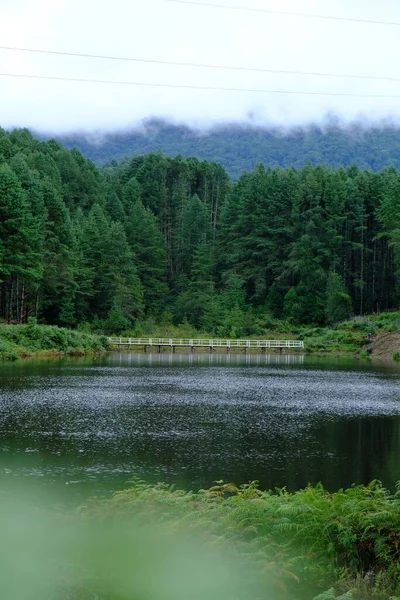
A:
x: 202, y: 358
x: 194, y: 418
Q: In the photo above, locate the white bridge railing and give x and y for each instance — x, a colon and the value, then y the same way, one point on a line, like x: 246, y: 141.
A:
x: 205, y: 343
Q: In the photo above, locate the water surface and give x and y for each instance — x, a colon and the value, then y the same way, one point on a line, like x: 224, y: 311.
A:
x: 191, y: 419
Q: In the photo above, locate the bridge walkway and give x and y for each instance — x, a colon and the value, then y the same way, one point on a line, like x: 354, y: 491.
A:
x: 211, y: 344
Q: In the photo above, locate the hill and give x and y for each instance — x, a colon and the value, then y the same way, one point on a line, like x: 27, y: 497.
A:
x: 239, y: 148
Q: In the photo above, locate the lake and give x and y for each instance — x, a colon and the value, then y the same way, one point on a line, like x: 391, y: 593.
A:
x: 89, y: 425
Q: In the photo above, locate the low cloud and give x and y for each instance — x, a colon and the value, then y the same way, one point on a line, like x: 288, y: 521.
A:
x: 160, y: 30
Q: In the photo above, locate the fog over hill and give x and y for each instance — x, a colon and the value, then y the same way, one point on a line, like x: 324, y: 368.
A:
x: 240, y: 147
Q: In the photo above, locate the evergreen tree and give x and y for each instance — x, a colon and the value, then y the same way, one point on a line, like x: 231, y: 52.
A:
x: 6, y: 148
x: 95, y: 240
x: 131, y: 193
x: 107, y: 246
x: 116, y: 321
x: 291, y: 306
x: 19, y: 241
x: 338, y: 302
x: 233, y: 294
x: 194, y: 230
x: 275, y: 301
x: 124, y: 286
x: 148, y: 247
x: 58, y: 285
x: 114, y: 208
x: 196, y: 300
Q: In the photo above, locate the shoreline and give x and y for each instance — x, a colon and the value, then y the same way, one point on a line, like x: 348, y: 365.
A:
x: 49, y: 355
x: 47, y: 341
x: 24, y: 355
x: 359, y: 340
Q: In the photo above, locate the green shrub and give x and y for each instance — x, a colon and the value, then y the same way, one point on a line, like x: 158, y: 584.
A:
x: 364, y: 325
x: 7, y: 351
x: 33, y: 338
x: 389, y: 321
x: 304, y: 542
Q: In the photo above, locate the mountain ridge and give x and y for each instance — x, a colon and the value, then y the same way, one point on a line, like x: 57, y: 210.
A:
x: 238, y: 148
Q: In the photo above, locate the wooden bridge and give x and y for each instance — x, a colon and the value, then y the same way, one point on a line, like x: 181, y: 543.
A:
x: 212, y: 345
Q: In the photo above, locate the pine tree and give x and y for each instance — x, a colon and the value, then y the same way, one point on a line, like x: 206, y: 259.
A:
x: 78, y: 243
x: 58, y: 286
x: 116, y: 321
x: 114, y: 207
x: 291, y: 306
x: 131, y: 193
x: 6, y: 148
x: 193, y: 303
x: 19, y: 241
x: 148, y: 247
x: 84, y: 270
x: 124, y: 286
x: 233, y: 294
x: 194, y: 230
x: 338, y: 302
x: 275, y: 301
x: 94, y: 243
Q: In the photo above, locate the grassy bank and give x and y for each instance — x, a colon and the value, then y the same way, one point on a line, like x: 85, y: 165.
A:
x: 18, y: 341
x: 293, y: 546
x: 354, y: 337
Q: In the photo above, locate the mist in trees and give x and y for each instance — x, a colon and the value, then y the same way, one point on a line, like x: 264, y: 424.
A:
x: 239, y: 147
x: 175, y: 238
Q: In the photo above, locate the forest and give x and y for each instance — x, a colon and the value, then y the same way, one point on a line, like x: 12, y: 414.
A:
x: 175, y: 240
x: 239, y: 148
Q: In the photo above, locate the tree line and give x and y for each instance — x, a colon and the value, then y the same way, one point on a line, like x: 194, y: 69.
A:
x: 238, y: 148
x: 176, y: 240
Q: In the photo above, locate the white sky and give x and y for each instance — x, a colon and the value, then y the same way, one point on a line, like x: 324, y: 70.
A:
x: 158, y: 29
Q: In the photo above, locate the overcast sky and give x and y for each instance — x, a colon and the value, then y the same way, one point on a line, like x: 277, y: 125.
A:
x: 162, y: 30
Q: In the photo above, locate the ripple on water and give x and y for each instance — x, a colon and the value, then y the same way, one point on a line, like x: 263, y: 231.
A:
x: 193, y: 422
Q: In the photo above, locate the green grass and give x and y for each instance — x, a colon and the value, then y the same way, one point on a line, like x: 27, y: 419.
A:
x: 32, y: 340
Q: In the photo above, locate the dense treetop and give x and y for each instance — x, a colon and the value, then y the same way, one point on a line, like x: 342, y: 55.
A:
x: 239, y: 148
x: 175, y: 239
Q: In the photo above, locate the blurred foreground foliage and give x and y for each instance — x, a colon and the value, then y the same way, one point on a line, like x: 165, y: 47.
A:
x: 155, y: 542
x: 227, y: 542
x: 296, y: 544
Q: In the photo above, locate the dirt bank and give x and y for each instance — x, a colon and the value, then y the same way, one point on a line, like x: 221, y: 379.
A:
x: 384, y: 345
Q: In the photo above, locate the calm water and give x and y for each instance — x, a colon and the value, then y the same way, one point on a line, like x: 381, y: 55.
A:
x: 93, y: 424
